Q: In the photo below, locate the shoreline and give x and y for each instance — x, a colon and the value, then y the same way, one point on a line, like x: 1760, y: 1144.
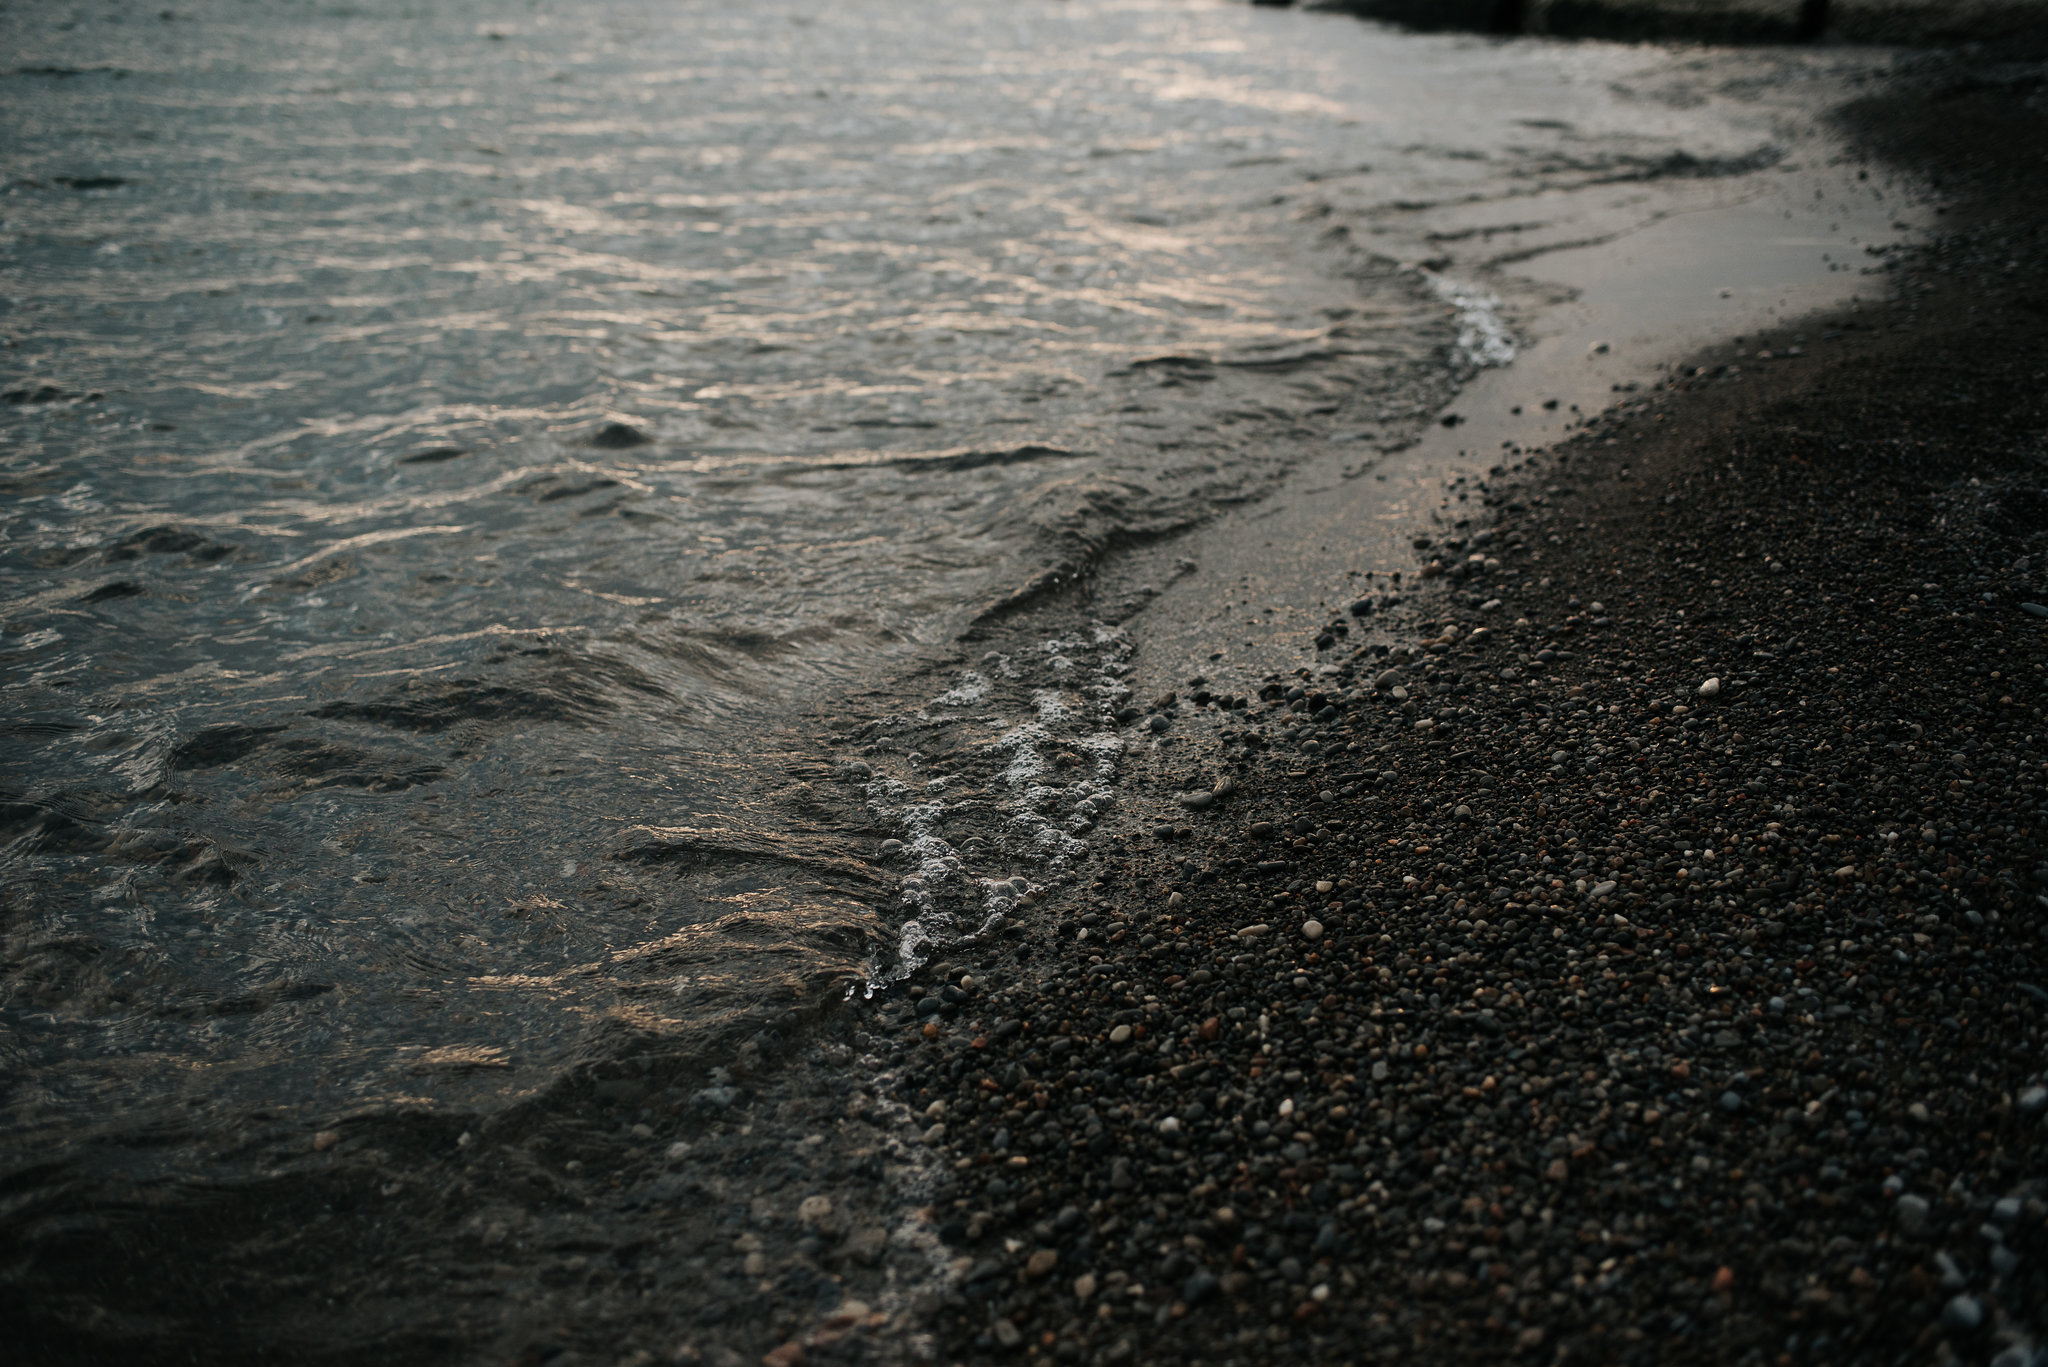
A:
x: 802, y: 1203
x: 1491, y: 1057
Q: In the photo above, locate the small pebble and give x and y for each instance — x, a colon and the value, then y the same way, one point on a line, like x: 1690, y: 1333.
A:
x: 1312, y: 930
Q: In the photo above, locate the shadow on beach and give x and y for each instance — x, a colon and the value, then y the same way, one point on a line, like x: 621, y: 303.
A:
x: 2022, y: 24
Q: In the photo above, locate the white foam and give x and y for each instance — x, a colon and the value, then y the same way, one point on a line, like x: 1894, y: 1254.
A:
x: 1041, y: 820
x: 971, y: 689
x: 1483, y: 338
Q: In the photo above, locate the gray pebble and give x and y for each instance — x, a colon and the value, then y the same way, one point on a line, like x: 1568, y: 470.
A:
x: 1911, y: 1212
x: 1963, y: 1313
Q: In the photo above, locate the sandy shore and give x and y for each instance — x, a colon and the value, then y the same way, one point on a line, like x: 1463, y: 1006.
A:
x: 1645, y: 959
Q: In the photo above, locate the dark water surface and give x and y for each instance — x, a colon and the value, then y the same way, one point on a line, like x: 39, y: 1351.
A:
x: 472, y: 471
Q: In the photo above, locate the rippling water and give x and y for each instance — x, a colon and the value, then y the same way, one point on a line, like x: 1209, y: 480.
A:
x: 465, y: 464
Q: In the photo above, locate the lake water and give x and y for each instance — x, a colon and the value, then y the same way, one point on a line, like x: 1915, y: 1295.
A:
x: 478, y: 474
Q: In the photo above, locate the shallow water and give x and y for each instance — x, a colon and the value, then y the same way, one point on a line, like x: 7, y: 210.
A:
x: 386, y: 727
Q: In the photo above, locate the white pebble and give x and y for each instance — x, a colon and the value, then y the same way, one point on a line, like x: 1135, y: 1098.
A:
x: 1912, y: 1213
x: 1312, y: 930
x: 1711, y: 688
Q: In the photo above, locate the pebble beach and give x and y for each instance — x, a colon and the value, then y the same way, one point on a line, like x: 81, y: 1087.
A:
x: 1641, y: 961
x: 1622, y: 939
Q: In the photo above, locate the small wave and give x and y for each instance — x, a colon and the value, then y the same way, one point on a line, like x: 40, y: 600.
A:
x: 1483, y: 338
x: 1027, y: 797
